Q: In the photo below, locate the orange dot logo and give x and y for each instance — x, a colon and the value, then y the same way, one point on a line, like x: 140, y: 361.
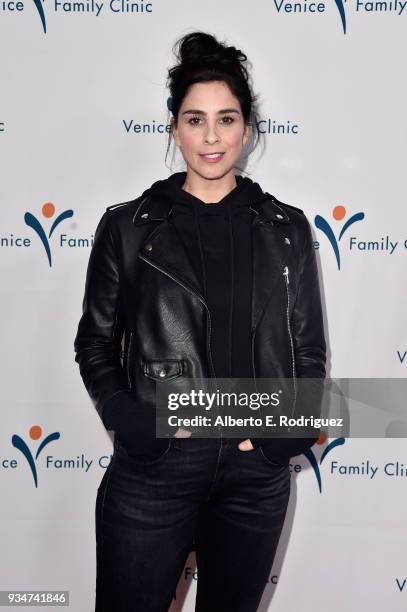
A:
x: 339, y: 212
x: 48, y: 209
x: 35, y: 432
x: 322, y: 438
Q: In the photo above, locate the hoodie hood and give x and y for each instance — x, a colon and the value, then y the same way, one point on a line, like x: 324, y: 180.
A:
x: 243, y: 195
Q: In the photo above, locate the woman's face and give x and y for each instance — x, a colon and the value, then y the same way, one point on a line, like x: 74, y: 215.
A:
x: 210, y: 120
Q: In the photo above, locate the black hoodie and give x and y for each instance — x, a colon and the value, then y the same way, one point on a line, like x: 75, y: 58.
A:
x: 217, y: 238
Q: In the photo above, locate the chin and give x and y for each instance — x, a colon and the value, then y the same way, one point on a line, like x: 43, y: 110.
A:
x: 211, y: 173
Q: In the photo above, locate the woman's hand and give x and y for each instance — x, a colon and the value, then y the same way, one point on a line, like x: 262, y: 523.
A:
x: 182, y: 433
x: 246, y: 445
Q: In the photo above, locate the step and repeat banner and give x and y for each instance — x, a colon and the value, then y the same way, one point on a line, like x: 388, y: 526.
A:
x: 84, y: 124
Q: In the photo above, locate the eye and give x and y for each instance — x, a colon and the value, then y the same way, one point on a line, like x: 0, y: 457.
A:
x: 229, y: 117
x: 191, y: 121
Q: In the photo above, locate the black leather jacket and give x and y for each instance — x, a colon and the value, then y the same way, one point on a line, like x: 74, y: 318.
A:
x: 144, y: 317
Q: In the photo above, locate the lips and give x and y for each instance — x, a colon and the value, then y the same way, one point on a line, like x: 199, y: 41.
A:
x: 212, y: 157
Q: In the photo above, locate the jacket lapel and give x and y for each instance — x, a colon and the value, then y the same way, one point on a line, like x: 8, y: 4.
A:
x: 267, y: 267
x: 164, y: 248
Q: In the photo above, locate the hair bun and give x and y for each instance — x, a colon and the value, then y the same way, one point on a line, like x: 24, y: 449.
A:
x: 199, y: 47
x: 234, y: 55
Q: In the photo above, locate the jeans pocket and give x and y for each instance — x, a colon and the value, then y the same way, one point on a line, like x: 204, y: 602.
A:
x: 271, y: 461
x: 150, y: 458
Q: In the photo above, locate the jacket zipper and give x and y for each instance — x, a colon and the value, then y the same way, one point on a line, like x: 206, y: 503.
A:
x: 286, y: 273
x: 209, y: 330
x: 128, y: 360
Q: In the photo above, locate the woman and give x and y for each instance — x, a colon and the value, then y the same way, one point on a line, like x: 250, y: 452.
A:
x: 203, y: 275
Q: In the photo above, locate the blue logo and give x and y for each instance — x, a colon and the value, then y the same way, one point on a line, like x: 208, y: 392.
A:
x: 48, y: 211
x: 35, y: 433
x: 341, y: 8
x: 338, y: 213
x: 309, y: 454
x: 40, y: 9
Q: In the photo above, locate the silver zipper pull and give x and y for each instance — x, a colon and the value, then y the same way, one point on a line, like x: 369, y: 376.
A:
x: 285, y: 273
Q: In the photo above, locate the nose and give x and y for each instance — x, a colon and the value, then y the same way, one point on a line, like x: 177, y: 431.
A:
x: 211, y: 135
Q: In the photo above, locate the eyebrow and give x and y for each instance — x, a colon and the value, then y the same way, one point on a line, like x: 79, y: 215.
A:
x: 201, y: 112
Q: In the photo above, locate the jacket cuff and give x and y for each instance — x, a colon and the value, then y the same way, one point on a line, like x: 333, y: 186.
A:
x: 115, y: 410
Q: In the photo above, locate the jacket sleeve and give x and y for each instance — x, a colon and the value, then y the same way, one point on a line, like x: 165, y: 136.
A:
x: 308, y: 336
x: 307, y: 317
x: 98, y: 340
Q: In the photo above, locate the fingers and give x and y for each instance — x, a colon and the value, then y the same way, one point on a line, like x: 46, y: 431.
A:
x: 246, y: 445
x: 182, y: 433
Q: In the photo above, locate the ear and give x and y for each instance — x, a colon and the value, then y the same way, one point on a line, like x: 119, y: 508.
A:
x: 246, y: 133
x: 174, y: 131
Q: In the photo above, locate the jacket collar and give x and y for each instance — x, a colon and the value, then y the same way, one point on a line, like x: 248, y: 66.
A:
x: 153, y: 209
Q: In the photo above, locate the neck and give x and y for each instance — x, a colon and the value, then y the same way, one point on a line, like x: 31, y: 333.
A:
x: 209, y: 190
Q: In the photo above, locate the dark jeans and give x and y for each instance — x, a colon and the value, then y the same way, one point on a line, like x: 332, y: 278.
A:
x: 204, y: 493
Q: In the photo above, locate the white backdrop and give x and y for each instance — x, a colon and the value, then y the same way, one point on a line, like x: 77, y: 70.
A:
x: 74, y: 84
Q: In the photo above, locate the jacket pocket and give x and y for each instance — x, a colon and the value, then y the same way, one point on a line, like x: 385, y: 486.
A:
x: 163, y: 369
